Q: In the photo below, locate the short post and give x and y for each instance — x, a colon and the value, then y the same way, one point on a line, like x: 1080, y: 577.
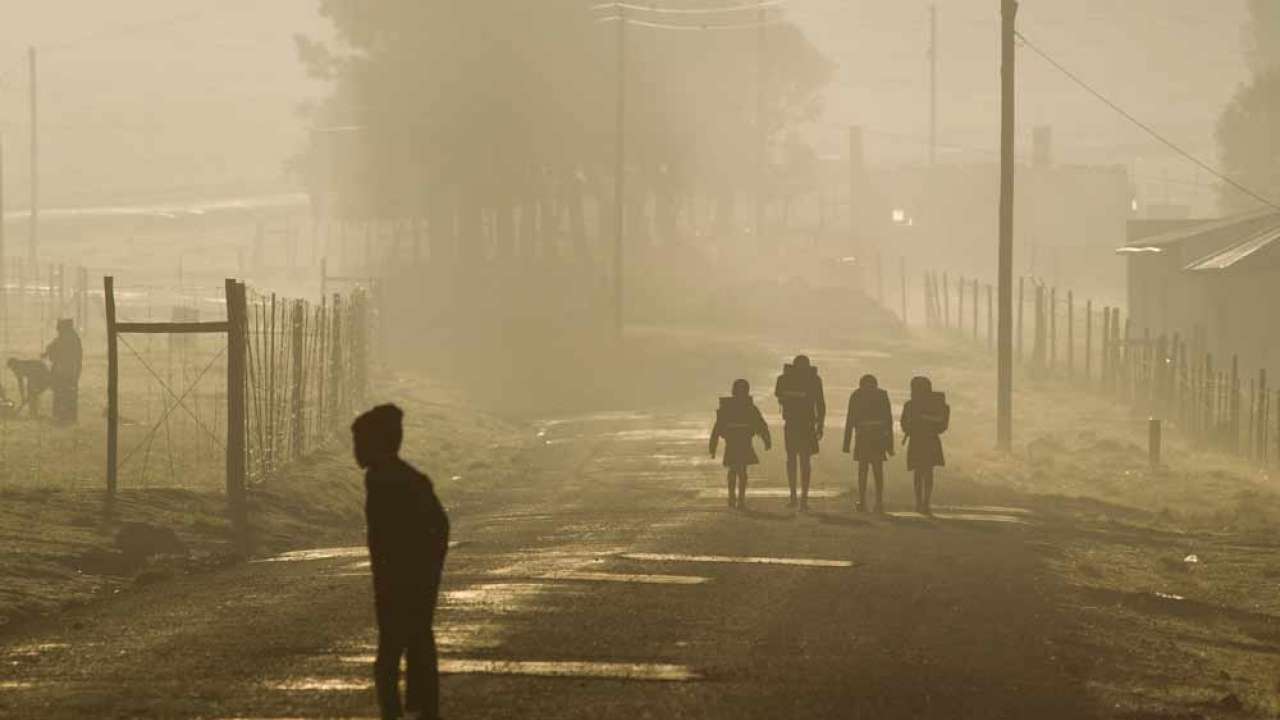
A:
x: 1052, y: 308
x: 1088, y: 341
x: 946, y: 301
x: 975, y: 310
x: 1071, y: 334
x: 1153, y: 441
x: 991, y: 328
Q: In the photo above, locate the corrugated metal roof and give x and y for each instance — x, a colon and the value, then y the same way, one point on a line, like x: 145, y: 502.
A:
x: 1246, y: 222
x: 1250, y: 252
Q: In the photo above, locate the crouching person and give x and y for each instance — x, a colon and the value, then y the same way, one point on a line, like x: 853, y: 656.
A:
x: 738, y: 421
x: 408, y: 535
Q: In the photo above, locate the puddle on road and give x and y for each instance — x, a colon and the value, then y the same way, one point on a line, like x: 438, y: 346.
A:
x: 569, y: 668
x: 322, y: 684
x: 799, y: 562
x: 33, y: 650
x: 720, y: 493
x: 963, y: 517
x: 333, y: 553
x: 15, y: 685
x: 628, y: 578
x: 496, y: 597
x: 985, y: 509
x: 317, y: 554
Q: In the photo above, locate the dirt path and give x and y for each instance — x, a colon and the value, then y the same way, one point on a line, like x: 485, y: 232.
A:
x: 946, y: 618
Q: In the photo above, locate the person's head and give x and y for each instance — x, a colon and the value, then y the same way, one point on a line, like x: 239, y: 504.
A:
x: 921, y: 386
x: 376, y: 435
x: 801, y: 362
x: 741, y: 388
x: 12, y: 363
x: 868, y: 382
x: 65, y: 325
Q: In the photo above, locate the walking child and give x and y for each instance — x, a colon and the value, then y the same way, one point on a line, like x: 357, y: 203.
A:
x: 738, y: 421
x: 804, y: 411
x: 869, y: 425
x: 924, y: 418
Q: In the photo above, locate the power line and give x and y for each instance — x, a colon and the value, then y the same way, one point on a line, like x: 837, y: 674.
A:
x: 1144, y: 126
x: 703, y: 26
x: 690, y: 11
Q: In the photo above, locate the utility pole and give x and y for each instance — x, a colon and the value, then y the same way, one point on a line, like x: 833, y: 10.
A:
x: 620, y: 173
x: 761, y: 134
x: 35, y: 161
x: 1004, y: 393
x: 4, y: 276
x: 933, y: 84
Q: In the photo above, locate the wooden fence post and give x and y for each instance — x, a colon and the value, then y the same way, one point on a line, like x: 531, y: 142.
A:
x: 902, y: 266
x: 1020, y: 306
x: 1052, y: 307
x: 991, y: 327
x: 1261, y: 443
x: 1234, y: 400
x: 113, y: 385
x: 1071, y: 334
x: 975, y: 310
x: 337, y: 400
x: 946, y: 301
x: 237, y: 385
x: 960, y: 287
x: 296, y: 341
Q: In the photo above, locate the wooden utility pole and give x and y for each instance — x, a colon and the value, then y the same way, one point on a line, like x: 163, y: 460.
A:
x: 619, y: 172
x: 1004, y: 392
x: 902, y: 271
x: 296, y: 346
x: 34, y: 239
x: 761, y: 134
x: 933, y: 84
x: 4, y: 277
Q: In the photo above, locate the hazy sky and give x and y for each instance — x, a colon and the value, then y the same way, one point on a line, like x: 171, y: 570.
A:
x: 143, y: 98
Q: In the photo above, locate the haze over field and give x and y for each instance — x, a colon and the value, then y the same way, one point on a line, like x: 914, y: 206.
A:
x: 151, y: 99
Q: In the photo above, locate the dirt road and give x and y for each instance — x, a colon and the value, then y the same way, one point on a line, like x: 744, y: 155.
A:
x: 609, y: 580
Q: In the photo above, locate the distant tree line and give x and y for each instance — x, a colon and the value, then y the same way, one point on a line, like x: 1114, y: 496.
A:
x: 475, y: 112
x: 1249, y: 129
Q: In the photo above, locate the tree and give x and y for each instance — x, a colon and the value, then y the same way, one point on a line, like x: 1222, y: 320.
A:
x: 484, y: 108
x: 1249, y: 128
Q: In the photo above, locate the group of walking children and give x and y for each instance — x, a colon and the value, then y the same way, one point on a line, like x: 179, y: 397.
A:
x: 868, y: 432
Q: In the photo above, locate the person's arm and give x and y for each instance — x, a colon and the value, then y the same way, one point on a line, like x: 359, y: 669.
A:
x: 762, y: 429
x: 714, y: 442
x: 945, y: 422
x: 848, y: 426
x: 906, y: 421
x: 819, y: 407
x: 886, y: 416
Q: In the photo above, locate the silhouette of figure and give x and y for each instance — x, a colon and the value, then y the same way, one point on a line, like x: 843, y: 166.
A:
x: 924, y: 418
x: 66, y: 356
x: 869, y: 425
x: 33, y: 379
x: 804, y: 412
x: 408, y: 535
x: 738, y: 421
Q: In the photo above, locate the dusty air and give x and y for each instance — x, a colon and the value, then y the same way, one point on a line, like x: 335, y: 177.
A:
x: 728, y: 359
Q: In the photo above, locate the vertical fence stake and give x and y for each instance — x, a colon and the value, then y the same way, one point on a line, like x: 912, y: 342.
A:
x: 1153, y: 441
x: 113, y: 385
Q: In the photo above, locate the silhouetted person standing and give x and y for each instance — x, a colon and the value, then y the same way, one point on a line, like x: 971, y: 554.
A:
x: 408, y: 536
x: 924, y: 418
x: 869, y: 425
x: 66, y: 356
x: 739, y: 421
x: 804, y: 412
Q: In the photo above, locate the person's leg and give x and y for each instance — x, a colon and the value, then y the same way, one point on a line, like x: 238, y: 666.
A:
x: 918, y: 482
x: 806, y: 471
x: 791, y: 474
x: 731, y: 481
x: 422, y: 675
x: 928, y: 491
x: 742, y: 488
x: 877, y: 469
x: 386, y: 670
x: 862, y: 485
